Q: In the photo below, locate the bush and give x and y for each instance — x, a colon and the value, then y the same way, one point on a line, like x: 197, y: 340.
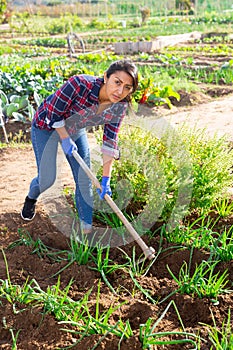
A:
x: 167, y: 178
x: 212, y: 160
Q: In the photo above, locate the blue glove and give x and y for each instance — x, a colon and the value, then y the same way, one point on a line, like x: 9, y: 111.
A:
x: 105, y: 184
x: 68, y: 146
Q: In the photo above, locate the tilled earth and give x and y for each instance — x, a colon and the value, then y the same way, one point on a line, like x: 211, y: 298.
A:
x: 40, y: 330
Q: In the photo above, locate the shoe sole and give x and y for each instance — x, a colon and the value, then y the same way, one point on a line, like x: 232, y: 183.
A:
x: 27, y: 219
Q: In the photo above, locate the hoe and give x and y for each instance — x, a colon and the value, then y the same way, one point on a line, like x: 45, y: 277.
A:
x: 148, y: 251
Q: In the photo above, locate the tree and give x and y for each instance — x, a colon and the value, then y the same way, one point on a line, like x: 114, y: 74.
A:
x: 145, y: 13
x: 3, y: 8
x: 184, y: 4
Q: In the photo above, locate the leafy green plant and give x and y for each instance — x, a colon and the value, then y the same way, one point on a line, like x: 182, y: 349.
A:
x: 47, y: 42
x: 149, y: 337
x: 162, y: 96
x: 224, y: 207
x: 211, y: 162
x: 144, y: 165
x: 11, y: 107
x: 203, y: 282
x: 157, y: 170
x: 150, y: 93
x: 222, y: 247
x: 221, y: 338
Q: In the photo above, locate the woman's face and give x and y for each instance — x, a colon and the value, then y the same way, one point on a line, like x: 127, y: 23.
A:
x: 118, y: 86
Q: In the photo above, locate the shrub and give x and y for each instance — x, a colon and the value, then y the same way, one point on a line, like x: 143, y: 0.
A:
x: 167, y: 178
x: 212, y: 160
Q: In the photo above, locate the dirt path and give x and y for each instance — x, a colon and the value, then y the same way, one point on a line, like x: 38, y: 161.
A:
x: 18, y: 164
x: 18, y: 167
x: 215, y: 116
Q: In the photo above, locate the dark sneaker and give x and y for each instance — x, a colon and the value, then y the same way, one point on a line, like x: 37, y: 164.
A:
x: 28, y: 211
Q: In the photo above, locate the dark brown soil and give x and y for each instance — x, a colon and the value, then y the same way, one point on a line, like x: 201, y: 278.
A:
x: 40, y: 330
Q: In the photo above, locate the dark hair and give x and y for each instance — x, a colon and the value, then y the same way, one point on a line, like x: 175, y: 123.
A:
x: 128, y: 67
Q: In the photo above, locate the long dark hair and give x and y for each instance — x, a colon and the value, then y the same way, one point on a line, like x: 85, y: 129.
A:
x: 128, y: 67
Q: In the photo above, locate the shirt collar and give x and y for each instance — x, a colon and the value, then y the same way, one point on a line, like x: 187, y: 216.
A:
x: 96, y: 89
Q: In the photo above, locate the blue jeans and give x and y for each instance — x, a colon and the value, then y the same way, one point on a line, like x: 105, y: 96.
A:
x: 45, y: 145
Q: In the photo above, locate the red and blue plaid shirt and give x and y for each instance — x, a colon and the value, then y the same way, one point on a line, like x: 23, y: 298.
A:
x: 75, y: 106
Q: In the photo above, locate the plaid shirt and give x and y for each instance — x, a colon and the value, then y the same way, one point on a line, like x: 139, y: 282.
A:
x: 75, y: 105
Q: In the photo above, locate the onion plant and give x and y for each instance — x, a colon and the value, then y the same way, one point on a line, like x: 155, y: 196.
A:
x: 199, y: 233
x: 203, y: 282
x: 139, y: 267
x: 149, y: 337
x: 222, y: 248
x: 38, y: 247
x: 224, y: 207
x: 13, y: 335
x: 105, y: 266
x: 81, y: 253
x: 99, y: 323
x: 221, y: 337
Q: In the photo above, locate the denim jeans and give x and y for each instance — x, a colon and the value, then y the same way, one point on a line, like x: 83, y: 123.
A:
x: 45, y: 145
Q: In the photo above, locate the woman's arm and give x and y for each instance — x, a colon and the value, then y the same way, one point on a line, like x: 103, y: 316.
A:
x: 107, y: 165
x: 62, y: 132
x: 107, y: 160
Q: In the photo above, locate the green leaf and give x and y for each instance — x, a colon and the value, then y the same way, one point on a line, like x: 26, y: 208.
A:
x: 3, y: 97
x: 19, y: 117
x: 37, y: 98
x: 168, y: 92
x: 23, y: 102
x: 11, y: 108
x: 14, y: 98
x: 31, y: 111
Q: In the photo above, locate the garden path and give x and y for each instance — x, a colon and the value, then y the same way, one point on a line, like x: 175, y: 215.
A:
x: 214, y: 116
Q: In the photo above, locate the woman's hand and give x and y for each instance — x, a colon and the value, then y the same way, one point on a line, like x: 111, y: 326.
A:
x: 106, y: 189
x: 68, y: 146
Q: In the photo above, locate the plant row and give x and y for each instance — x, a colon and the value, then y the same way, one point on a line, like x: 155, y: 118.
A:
x: 25, y: 23
x: 158, y: 83
x: 82, y: 320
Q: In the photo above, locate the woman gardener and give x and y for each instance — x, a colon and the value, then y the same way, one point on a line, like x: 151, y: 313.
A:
x: 62, y: 117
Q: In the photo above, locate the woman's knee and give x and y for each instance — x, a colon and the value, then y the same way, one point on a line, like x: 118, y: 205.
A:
x: 45, y: 184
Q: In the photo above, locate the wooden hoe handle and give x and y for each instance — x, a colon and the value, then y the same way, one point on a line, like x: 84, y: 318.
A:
x: 148, y: 251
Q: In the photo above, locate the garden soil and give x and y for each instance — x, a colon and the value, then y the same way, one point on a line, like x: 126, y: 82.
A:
x: 40, y: 330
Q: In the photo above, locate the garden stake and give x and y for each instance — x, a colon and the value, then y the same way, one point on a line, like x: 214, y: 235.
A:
x: 148, y: 251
